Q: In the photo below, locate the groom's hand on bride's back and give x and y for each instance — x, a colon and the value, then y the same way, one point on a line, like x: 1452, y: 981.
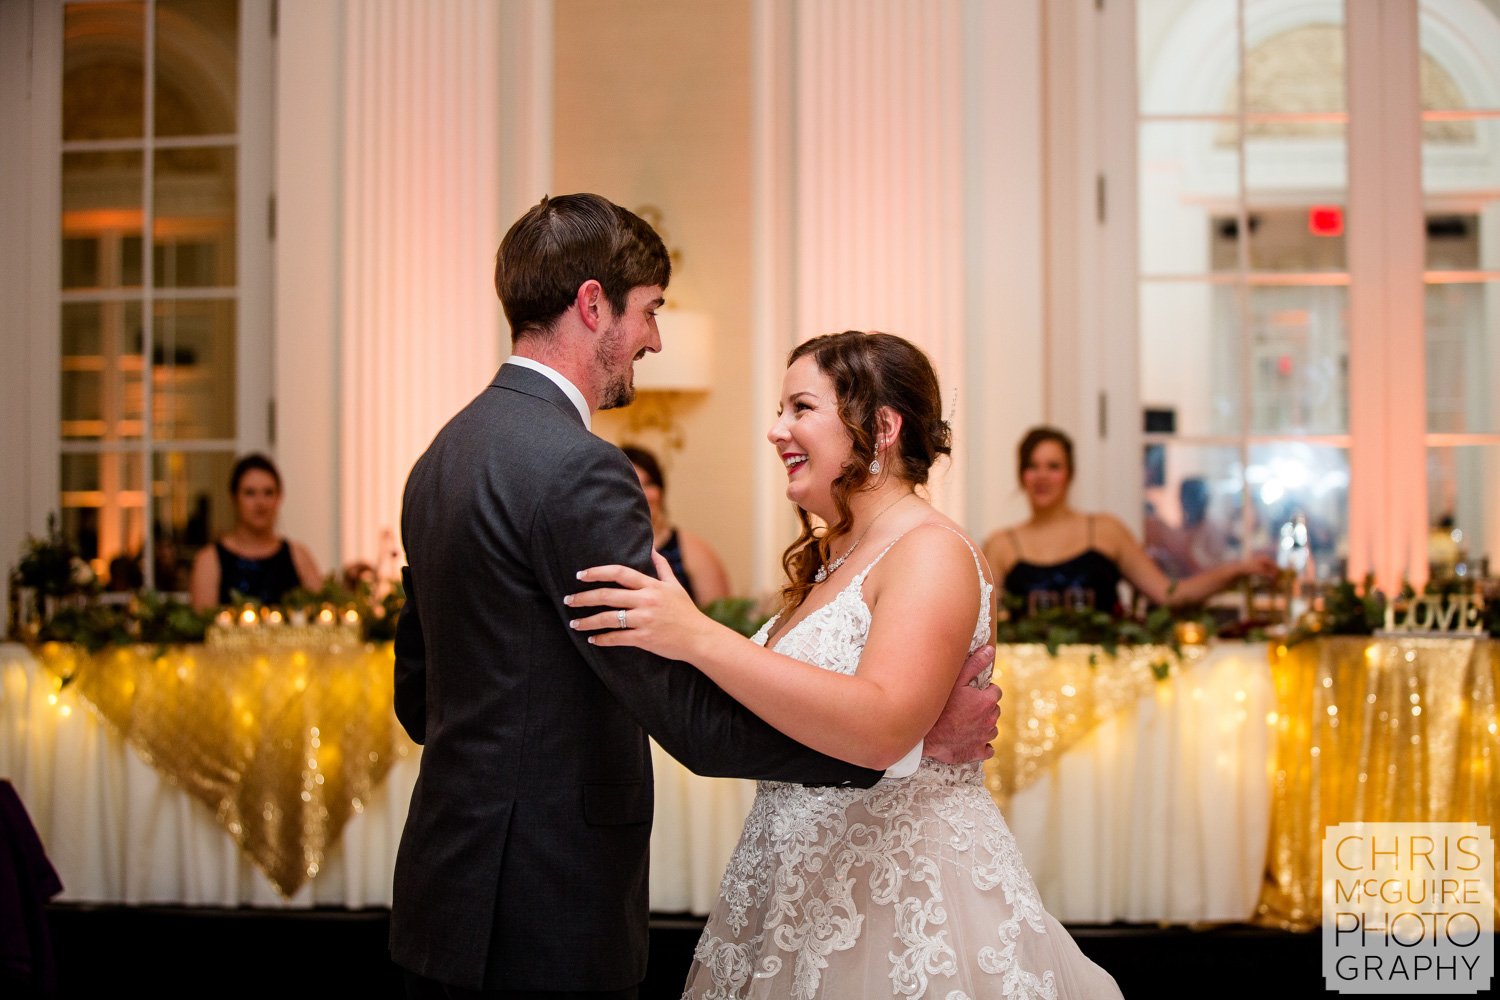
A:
x: 970, y: 719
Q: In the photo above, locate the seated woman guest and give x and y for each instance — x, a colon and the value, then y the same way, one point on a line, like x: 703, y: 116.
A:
x: 251, y: 561
x: 1063, y: 557
x: 693, y: 560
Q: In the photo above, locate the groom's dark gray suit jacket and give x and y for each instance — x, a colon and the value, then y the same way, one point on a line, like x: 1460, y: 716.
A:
x: 523, y: 864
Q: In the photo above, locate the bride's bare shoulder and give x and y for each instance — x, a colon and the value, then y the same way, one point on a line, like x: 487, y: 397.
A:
x: 936, y: 546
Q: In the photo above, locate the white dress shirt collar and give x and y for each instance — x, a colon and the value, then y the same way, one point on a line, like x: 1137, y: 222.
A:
x: 561, y: 381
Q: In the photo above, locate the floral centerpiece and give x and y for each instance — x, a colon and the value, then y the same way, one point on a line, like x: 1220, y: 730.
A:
x: 52, y: 566
x: 50, y: 576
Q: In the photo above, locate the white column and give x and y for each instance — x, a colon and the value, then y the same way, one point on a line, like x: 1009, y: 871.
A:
x: 878, y: 180
x: 424, y: 205
x: 31, y: 42
x: 1004, y: 387
x: 1387, y: 388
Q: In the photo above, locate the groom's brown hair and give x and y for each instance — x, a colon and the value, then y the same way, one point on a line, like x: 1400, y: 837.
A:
x: 563, y: 242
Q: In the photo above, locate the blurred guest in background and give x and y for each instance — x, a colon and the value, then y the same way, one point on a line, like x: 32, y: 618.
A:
x: 697, y: 566
x: 1200, y: 543
x: 126, y: 572
x: 1064, y: 557
x: 251, y: 561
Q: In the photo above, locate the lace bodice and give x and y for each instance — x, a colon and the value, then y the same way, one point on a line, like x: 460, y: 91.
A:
x: 833, y: 636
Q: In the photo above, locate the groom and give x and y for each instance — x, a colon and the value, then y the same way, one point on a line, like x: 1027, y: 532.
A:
x: 522, y: 870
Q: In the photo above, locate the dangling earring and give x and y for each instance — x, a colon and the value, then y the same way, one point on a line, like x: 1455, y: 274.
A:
x: 875, y: 462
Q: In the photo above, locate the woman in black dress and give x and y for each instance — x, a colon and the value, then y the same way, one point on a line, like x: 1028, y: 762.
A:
x: 251, y: 562
x: 693, y: 560
x: 1062, y: 557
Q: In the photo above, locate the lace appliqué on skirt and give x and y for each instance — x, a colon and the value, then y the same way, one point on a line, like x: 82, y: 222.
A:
x: 914, y: 888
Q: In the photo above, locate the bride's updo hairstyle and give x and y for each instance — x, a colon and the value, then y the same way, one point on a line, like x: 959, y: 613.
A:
x: 868, y: 371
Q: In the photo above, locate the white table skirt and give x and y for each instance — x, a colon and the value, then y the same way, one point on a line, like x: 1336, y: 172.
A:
x: 117, y: 831
x: 1159, y: 814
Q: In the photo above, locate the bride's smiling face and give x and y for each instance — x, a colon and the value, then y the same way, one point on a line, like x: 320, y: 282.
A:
x: 809, y: 437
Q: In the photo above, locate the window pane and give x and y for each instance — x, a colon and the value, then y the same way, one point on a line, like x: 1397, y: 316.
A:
x: 1463, y: 358
x: 101, y: 223
x: 1294, y: 59
x: 1453, y: 243
x: 104, y: 55
x: 1464, y: 169
x: 1189, y: 185
x: 197, y: 57
x: 103, y: 505
x: 1299, y: 367
x: 100, y: 381
x: 1458, y: 42
x: 190, y: 507
x: 1187, y: 64
x: 1194, y: 507
x: 1461, y: 485
x: 1190, y: 355
x: 1295, y: 240
x: 193, y: 369
x: 1289, y: 478
x: 194, y: 230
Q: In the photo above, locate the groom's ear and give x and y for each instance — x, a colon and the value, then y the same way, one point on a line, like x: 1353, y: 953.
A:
x: 591, y: 304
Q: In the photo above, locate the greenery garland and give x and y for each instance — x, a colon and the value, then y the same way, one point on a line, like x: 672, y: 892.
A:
x: 1066, y: 626
x: 52, y: 568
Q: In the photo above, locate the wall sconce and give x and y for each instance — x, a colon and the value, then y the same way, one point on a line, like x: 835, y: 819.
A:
x: 682, y: 370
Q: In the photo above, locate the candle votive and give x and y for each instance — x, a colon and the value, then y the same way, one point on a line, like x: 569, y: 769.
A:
x: 1190, y: 633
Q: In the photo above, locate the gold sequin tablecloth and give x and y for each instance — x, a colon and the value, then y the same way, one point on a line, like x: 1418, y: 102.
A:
x: 285, y: 744
x: 1375, y: 730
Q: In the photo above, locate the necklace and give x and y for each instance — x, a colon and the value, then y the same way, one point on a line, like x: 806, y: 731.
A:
x: 834, y: 564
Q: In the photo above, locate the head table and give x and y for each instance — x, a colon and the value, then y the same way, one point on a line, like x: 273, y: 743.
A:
x: 1140, y: 786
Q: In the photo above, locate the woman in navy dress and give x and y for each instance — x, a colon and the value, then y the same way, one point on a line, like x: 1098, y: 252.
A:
x: 693, y: 560
x: 1062, y: 557
x: 251, y: 562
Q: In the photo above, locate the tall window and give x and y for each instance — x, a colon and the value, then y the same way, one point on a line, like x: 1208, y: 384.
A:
x: 153, y: 230
x: 1460, y: 192
x: 1257, y: 380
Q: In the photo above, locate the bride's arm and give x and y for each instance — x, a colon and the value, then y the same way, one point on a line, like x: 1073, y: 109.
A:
x: 923, y: 597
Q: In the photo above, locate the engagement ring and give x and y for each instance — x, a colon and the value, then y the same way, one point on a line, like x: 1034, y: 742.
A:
x: 621, y: 616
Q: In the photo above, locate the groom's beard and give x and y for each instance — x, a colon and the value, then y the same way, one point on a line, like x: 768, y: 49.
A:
x: 619, y: 387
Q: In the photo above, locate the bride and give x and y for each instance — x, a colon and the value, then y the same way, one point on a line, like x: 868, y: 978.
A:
x: 914, y: 887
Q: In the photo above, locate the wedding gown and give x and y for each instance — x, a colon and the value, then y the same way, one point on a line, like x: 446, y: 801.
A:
x: 913, y: 888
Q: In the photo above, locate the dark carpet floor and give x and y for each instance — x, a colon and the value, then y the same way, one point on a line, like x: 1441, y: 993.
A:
x: 112, y: 951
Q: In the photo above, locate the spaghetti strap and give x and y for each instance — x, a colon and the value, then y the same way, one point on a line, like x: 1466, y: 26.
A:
x: 965, y: 539
x: 859, y: 579
x: 1015, y: 541
x: 986, y: 588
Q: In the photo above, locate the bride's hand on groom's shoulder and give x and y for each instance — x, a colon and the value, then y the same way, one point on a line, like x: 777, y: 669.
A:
x: 652, y: 613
